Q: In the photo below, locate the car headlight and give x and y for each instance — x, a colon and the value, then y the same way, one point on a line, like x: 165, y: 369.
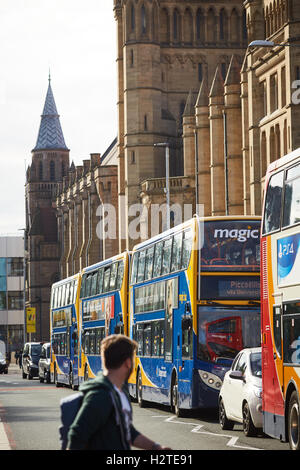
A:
x: 257, y: 392
x: 210, y: 379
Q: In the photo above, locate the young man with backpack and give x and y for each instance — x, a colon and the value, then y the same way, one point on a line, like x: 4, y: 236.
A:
x: 104, y: 419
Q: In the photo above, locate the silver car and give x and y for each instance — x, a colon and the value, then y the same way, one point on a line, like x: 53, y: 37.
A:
x: 240, y: 398
x: 44, y: 363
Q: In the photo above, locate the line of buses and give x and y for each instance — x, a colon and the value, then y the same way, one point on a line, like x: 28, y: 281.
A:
x: 192, y: 298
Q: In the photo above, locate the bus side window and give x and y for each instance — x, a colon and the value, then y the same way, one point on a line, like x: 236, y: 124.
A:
x: 100, y: 281
x: 157, y: 259
x: 82, y: 288
x: 291, y: 208
x: 120, y: 275
x: 186, y: 249
x: 134, y: 267
x: 273, y: 203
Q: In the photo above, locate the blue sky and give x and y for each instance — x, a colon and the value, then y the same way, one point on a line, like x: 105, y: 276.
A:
x: 76, y: 40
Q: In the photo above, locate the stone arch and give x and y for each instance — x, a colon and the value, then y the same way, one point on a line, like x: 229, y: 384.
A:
x: 164, y: 26
x: 234, y: 26
x: 188, y: 30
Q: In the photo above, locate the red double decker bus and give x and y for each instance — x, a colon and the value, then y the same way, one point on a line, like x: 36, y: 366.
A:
x: 280, y: 300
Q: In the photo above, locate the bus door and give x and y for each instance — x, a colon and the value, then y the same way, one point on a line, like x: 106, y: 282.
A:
x: 74, y: 349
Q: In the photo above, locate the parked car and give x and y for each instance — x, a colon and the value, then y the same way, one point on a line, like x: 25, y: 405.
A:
x: 3, y: 359
x: 30, y: 360
x: 240, y: 398
x: 44, y: 363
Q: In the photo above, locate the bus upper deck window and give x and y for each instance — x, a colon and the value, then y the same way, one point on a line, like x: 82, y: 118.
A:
x: 273, y: 203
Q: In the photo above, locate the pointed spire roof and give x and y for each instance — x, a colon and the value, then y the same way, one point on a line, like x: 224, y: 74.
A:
x: 217, y: 87
x: 189, y: 109
x: 234, y: 71
x: 202, y: 99
x: 50, y: 135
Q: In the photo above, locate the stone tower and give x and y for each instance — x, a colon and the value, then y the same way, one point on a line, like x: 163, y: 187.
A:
x: 166, y: 48
x: 50, y: 162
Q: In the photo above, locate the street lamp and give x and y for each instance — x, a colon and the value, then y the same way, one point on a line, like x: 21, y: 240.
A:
x: 265, y: 43
x: 167, y: 147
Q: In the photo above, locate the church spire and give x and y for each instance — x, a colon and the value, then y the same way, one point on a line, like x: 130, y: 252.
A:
x: 50, y: 133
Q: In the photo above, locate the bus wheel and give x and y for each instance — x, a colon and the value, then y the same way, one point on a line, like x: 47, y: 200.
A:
x: 139, y: 390
x: 71, y: 377
x: 57, y: 384
x: 293, y: 422
x: 175, y: 401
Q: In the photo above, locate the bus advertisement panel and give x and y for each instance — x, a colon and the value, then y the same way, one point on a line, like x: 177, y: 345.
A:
x: 103, y: 309
x: 193, y: 306
x: 280, y: 282
x: 64, y: 332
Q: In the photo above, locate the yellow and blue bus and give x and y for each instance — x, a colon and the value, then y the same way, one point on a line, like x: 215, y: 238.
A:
x: 194, y: 303
x: 103, y: 308
x: 64, y: 331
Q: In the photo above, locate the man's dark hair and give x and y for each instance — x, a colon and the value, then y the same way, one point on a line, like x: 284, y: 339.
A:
x: 115, y: 349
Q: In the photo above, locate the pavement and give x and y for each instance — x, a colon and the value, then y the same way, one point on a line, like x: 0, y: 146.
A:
x: 4, y: 441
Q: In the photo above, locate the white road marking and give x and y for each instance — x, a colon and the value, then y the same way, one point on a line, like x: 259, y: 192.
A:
x: 4, y: 442
x: 197, y: 429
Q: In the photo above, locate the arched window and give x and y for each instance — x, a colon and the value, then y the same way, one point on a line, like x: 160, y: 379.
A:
x: 199, y: 25
x: 143, y: 20
x: 222, y: 24
x: 41, y: 176
x: 132, y: 18
x: 52, y: 170
x: 175, y: 25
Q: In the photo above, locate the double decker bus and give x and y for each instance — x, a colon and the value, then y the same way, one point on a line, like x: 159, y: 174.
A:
x: 280, y: 296
x: 64, y: 331
x: 194, y: 300
x: 103, y: 309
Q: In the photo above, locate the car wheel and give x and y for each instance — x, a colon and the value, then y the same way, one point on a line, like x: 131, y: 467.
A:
x: 248, y: 426
x: 139, y: 390
x: 293, y: 422
x: 225, y: 423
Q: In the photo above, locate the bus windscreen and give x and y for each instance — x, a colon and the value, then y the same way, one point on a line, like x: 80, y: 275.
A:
x: 231, y: 246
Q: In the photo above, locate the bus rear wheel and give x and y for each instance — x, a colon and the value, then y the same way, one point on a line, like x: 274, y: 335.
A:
x: 293, y: 422
x: 139, y: 390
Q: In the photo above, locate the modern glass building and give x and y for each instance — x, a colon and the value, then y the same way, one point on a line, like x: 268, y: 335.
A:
x: 12, y: 292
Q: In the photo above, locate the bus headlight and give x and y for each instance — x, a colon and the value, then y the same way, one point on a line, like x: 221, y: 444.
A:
x: 210, y: 379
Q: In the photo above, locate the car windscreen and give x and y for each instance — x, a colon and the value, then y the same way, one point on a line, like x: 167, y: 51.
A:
x: 255, y: 364
x: 36, y: 349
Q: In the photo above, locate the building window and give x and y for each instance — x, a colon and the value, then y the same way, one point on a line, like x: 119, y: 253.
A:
x: 200, y: 72
x: 41, y: 176
x: 143, y: 19
x: 132, y: 18
x: 133, y: 156
x: 223, y: 70
x: 15, y: 300
x: 15, y: 266
x: 283, y: 87
x: 175, y: 25
x: 52, y: 170
x: 273, y: 93
x: 145, y: 123
x: 2, y: 300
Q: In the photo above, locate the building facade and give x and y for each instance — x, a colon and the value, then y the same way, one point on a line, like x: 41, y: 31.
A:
x: 166, y: 49
x: 186, y: 78
x: 12, y: 292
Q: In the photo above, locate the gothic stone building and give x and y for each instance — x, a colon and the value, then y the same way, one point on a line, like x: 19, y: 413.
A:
x: 187, y: 78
